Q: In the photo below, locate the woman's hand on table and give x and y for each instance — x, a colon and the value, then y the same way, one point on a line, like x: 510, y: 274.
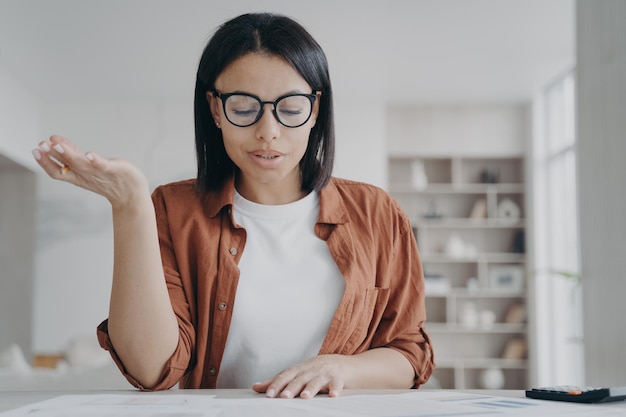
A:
x: 330, y: 374
x: 320, y: 374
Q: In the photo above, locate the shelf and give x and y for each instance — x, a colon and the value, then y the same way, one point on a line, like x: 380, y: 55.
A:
x: 478, y: 293
x: 458, y: 170
x: 398, y: 188
x: 498, y: 328
x: 483, y: 363
x: 456, y: 223
x: 484, y: 257
x: 468, y: 219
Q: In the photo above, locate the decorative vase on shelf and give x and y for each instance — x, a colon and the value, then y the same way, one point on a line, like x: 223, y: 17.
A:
x: 419, y: 179
x: 454, y: 247
x: 469, y: 316
x: 508, y: 211
x: 492, y: 378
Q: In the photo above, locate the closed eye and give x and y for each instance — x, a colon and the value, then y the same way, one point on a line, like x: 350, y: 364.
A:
x: 244, y: 112
x: 290, y: 112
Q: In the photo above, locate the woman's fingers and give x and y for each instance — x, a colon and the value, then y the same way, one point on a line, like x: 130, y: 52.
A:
x: 116, y: 179
x: 49, y: 160
x: 335, y: 387
x: 58, y: 156
x: 320, y: 374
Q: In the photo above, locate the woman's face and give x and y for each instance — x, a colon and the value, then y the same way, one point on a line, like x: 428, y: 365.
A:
x: 266, y: 153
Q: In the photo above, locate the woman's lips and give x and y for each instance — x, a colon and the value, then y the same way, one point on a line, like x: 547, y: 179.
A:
x: 266, y: 159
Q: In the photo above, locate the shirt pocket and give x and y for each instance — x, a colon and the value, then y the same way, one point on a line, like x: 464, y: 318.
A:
x: 366, y: 314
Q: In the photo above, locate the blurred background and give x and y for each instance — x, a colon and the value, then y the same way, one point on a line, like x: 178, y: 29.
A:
x: 451, y: 89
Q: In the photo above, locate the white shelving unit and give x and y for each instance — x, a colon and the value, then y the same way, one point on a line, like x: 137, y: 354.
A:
x: 468, y: 218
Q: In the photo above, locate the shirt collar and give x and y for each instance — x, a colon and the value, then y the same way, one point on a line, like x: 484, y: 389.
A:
x: 224, y: 197
x: 332, y: 209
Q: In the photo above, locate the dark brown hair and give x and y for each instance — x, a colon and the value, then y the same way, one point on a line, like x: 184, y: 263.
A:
x: 282, y: 37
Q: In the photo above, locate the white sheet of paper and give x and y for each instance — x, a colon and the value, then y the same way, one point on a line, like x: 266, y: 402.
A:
x: 450, y: 403
x: 120, y: 405
x: 413, y: 404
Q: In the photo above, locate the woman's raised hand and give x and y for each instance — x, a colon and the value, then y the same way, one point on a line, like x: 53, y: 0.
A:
x: 117, y: 180
x: 142, y: 324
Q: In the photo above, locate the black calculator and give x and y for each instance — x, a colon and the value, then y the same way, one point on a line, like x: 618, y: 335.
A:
x: 578, y: 394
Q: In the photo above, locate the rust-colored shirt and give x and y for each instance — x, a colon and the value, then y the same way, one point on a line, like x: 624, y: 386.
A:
x: 369, y: 237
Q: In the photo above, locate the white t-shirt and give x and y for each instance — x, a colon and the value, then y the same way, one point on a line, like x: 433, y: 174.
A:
x: 288, y: 291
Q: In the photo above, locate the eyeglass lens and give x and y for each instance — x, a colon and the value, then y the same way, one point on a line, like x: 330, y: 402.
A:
x: 244, y: 110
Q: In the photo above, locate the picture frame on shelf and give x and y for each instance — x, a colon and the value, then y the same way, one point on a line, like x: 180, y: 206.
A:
x: 515, y: 314
x: 506, y: 278
x: 479, y: 210
x: 435, y: 284
x: 515, y: 349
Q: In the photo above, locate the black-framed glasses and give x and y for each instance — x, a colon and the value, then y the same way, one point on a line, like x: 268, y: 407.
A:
x: 243, y: 110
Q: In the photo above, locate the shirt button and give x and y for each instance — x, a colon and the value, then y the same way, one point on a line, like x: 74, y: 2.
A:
x: 222, y: 306
x: 233, y: 251
x: 212, y: 371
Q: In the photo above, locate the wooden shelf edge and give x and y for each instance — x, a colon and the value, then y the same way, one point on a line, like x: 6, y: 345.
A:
x: 466, y: 223
x: 427, y: 257
x: 483, y: 293
x: 481, y: 363
x: 498, y: 328
x: 458, y: 188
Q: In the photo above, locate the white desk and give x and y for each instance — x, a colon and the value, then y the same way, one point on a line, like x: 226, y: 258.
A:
x: 10, y: 400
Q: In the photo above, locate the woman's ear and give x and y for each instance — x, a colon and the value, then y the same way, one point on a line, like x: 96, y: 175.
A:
x: 212, y: 100
x: 316, y: 108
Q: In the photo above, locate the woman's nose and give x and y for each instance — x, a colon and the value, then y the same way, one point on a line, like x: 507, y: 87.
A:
x: 267, y: 127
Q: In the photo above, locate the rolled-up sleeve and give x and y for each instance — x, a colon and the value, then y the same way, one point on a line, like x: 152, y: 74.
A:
x: 178, y: 364
x: 401, y: 327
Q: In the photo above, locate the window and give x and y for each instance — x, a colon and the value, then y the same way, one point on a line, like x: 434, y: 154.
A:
x: 557, y: 290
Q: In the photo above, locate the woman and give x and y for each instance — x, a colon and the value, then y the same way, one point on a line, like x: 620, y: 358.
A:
x: 263, y: 268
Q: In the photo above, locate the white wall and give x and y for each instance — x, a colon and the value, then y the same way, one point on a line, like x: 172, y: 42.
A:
x: 361, y: 150
x: 497, y: 129
x: 19, y: 124
x: 19, y: 120
x: 601, y: 73
x: 469, y: 130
